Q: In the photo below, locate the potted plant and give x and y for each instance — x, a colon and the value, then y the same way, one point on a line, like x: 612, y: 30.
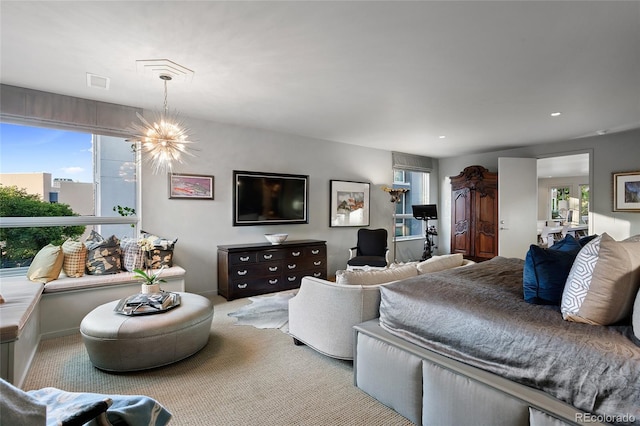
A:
x: 150, y: 282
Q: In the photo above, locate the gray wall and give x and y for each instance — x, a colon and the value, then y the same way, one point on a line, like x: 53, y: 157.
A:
x: 611, y: 153
x: 202, y: 225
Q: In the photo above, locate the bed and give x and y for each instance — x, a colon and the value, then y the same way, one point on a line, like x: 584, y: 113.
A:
x: 463, y: 347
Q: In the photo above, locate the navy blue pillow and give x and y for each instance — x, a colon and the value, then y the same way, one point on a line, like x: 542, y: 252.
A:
x: 584, y: 240
x: 546, y: 271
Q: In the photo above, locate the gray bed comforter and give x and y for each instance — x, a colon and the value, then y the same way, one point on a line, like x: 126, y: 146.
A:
x: 477, y: 315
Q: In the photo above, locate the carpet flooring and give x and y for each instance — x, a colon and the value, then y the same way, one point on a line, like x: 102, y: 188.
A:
x: 244, y: 376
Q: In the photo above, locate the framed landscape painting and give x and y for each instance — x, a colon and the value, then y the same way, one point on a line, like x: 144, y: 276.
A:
x: 190, y: 187
x: 349, y: 203
x: 626, y: 192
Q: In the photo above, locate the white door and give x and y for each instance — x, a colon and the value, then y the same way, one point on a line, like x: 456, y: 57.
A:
x: 517, y: 206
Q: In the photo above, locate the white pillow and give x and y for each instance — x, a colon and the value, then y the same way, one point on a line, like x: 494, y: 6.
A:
x: 579, y: 279
x: 376, y: 276
x: 440, y: 263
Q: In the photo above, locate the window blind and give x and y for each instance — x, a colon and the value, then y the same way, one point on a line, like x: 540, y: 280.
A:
x: 416, y: 163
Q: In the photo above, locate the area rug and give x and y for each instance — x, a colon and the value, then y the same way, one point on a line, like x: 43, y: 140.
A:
x: 266, y: 312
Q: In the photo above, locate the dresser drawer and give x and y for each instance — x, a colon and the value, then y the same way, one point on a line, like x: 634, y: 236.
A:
x: 270, y: 255
x: 302, y: 264
x: 252, y: 270
x: 240, y: 258
x: 316, y: 251
x: 245, y: 288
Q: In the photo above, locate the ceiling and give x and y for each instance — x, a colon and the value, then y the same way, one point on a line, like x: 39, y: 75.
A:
x: 385, y: 74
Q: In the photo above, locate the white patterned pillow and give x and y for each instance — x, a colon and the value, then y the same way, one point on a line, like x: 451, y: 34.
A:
x: 132, y: 254
x: 579, y: 279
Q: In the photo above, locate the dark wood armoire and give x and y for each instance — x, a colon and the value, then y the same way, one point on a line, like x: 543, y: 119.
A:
x: 474, y: 213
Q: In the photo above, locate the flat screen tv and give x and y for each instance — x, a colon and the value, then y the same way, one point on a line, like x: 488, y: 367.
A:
x: 269, y: 198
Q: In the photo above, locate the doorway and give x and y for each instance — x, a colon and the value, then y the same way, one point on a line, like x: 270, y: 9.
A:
x: 564, y: 191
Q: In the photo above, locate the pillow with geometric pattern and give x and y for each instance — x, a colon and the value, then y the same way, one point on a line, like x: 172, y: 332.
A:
x: 103, y: 256
x: 613, y: 285
x: 75, y: 256
x: 579, y: 279
x: 132, y: 254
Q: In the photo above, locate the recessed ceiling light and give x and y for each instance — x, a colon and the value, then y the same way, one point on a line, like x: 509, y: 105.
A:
x: 602, y: 132
x: 442, y: 136
x: 556, y: 114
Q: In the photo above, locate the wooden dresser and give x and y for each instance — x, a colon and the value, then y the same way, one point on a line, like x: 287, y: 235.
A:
x: 474, y: 213
x: 250, y: 269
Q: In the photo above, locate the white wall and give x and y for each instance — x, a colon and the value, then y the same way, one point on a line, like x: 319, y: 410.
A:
x: 610, y: 153
x: 202, y: 225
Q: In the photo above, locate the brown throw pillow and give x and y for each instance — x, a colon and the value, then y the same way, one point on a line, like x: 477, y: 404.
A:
x: 75, y: 255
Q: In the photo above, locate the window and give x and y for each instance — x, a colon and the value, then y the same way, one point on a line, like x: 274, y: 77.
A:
x: 584, y: 204
x: 560, y: 197
x: 87, y: 177
x: 406, y: 226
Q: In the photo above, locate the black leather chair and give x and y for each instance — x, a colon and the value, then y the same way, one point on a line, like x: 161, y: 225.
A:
x: 371, y: 250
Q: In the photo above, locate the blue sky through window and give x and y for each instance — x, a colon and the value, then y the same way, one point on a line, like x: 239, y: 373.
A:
x: 62, y: 153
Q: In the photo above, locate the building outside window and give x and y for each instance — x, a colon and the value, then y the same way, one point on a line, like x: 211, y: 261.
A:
x: 406, y: 226
x: 91, y: 174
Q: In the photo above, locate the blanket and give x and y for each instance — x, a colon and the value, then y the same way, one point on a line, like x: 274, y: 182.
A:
x: 477, y: 315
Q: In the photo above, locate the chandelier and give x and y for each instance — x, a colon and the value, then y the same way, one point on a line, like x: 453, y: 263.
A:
x: 163, y: 142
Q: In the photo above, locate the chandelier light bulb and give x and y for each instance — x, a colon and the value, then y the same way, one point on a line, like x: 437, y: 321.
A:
x: 163, y: 142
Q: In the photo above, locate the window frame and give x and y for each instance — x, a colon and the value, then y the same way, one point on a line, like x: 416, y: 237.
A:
x: 87, y: 220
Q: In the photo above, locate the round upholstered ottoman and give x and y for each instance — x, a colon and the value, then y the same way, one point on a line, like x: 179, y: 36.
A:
x: 118, y: 342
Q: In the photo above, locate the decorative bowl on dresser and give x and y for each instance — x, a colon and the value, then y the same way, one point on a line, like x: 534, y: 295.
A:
x: 250, y: 269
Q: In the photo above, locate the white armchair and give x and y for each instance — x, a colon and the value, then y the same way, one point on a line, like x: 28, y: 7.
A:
x: 323, y: 313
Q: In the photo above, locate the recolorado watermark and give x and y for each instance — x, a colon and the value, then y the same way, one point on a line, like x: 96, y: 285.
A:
x: 604, y: 418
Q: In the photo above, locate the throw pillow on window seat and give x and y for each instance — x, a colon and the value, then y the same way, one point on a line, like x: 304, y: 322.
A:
x: 46, y: 265
x: 132, y: 254
x: 103, y: 256
x: 75, y: 257
x: 162, y: 252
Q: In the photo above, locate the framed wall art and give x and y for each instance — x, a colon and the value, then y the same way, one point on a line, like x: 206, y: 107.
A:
x: 190, y: 187
x: 626, y: 192
x: 349, y: 203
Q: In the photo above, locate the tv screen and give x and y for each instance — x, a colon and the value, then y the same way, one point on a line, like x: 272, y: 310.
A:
x: 269, y: 198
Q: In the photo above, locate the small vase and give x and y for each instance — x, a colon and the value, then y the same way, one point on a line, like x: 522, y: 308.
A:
x: 150, y: 288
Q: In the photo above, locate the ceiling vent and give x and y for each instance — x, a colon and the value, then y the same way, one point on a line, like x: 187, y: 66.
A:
x: 98, y: 81
x: 164, y: 67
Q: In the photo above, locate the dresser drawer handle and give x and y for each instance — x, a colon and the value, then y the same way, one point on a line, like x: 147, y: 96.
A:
x: 274, y: 281
x: 243, y: 285
x: 244, y: 259
x: 273, y: 268
x: 292, y: 266
x: 317, y: 274
x: 242, y: 273
x: 291, y: 279
x: 315, y: 251
x: 295, y: 253
x: 267, y: 256
x: 318, y: 263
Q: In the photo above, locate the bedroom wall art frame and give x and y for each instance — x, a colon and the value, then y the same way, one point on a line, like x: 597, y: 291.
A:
x: 190, y: 187
x: 626, y: 192
x: 349, y: 203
